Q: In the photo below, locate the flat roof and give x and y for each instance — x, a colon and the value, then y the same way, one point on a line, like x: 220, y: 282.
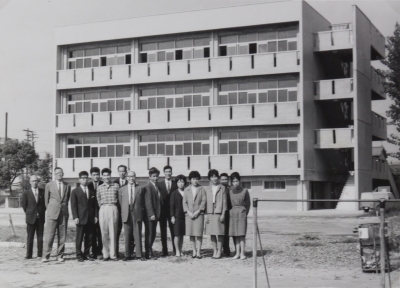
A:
x: 279, y: 11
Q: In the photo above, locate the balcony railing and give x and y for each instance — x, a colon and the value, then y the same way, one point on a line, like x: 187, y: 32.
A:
x: 334, y: 89
x: 379, y: 128
x: 376, y: 84
x: 260, y: 164
x: 334, y: 138
x: 181, y: 70
x: 333, y: 40
x: 194, y: 117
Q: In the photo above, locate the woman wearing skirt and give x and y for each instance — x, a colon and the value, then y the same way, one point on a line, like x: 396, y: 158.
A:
x: 177, y: 213
x: 240, y: 200
x: 194, y: 204
x: 216, y: 208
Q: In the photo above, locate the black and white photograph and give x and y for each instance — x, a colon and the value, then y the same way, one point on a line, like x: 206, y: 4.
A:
x: 194, y: 143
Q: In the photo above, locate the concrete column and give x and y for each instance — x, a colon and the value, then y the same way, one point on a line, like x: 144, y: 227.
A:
x: 136, y: 98
x: 134, y: 106
x: 214, y: 44
x: 303, y: 193
x: 7, y: 203
x: 136, y: 144
x: 214, y: 142
x: 133, y: 145
x: 214, y: 88
x: 135, y: 51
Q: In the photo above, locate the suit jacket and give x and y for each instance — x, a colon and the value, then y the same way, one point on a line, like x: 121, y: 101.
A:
x: 153, y: 205
x: 83, y: 208
x: 54, y: 203
x: 197, y: 203
x: 176, y: 200
x: 221, y: 203
x: 138, y: 204
x: 165, y: 208
x: 117, y: 181
x: 31, y: 208
x: 91, y: 186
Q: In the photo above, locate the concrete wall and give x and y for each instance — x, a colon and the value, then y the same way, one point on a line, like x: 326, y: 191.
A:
x: 313, y: 163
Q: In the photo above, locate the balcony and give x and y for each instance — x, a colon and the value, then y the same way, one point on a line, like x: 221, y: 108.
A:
x: 379, y: 129
x: 182, y: 70
x: 249, y: 165
x: 377, y: 92
x: 334, y: 89
x: 334, y: 138
x: 336, y: 39
x: 194, y: 117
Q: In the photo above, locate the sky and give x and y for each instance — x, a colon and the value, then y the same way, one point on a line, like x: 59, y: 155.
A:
x: 28, y: 59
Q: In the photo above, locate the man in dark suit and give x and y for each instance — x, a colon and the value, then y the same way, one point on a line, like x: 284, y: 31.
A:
x: 57, y: 194
x: 224, y: 180
x: 154, y: 202
x: 85, y: 213
x: 121, y: 181
x: 131, y: 198
x: 166, y: 188
x: 96, y: 241
x: 34, y: 208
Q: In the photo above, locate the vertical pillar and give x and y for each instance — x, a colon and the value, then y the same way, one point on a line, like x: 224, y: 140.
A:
x: 214, y: 44
x: 136, y: 102
x: 135, y: 51
x: 136, y: 144
x: 214, y: 141
x: 133, y: 145
x: 7, y: 203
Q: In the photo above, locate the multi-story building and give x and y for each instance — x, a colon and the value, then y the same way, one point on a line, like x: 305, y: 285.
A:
x: 282, y: 96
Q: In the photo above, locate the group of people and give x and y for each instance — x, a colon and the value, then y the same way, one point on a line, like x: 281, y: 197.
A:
x: 100, y: 209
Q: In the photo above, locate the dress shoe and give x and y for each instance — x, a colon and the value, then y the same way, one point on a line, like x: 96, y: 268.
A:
x: 90, y: 258
x: 60, y: 259
x: 27, y: 257
x: 39, y: 258
x: 164, y: 254
x: 114, y: 259
x: 106, y: 259
x: 198, y: 257
x: 80, y: 259
x: 45, y: 260
x: 100, y: 257
x: 143, y: 259
x: 126, y: 259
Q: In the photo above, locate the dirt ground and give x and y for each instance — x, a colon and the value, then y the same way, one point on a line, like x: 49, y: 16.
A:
x: 329, y: 259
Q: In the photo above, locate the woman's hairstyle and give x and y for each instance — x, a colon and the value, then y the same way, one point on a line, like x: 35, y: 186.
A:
x: 213, y: 172
x: 194, y: 174
x: 180, y: 177
x: 235, y: 175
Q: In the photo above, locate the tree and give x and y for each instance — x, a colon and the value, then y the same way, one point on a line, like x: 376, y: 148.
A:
x: 43, y: 168
x: 391, y: 84
x: 15, y: 157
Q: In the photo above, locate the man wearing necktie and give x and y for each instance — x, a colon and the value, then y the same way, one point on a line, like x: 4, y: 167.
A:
x: 85, y: 214
x: 154, y: 202
x: 57, y: 194
x: 166, y: 186
x: 121, y: 181
x: 132, y: 203
x: 96, y: 241
x: 34, y: 208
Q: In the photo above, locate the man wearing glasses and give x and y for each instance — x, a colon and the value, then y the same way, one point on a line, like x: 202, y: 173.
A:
x: 56, y: 195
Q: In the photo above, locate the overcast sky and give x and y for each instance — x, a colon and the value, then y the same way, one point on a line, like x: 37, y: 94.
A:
x: 27, y: 50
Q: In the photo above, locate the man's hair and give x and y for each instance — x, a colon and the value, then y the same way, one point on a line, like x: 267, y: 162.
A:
x: 224, y: 174
x: 213, y: 172
x: 167, y: 167
x: 105, y: 170
x: 154, y: 170
x: 123, y: 166
x: 94, y: 170
x: 83, y: 173
x: 57, y: 168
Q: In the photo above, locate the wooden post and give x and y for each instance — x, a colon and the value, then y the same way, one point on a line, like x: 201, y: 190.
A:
x: 255, y: 203
x: 12, y: 226
x: 382, y: 238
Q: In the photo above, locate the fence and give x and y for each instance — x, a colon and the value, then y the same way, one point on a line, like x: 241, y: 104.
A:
x: 381, y: 234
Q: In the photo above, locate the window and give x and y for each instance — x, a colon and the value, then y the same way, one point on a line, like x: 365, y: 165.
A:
x: 274, y: 185
x: 76, y: 103
x: 246, y: 184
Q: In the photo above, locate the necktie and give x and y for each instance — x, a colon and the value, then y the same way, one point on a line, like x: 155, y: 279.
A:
x: 122, y: 182
x: 95, y: 186
x: 36, y: 195
x: 131, y: 195
x: 169, y: 186
x: 59, y: 189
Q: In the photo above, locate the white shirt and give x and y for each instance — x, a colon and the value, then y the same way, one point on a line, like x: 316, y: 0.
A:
x: 170, y: 184
x: 121, y: 182
x: 60, y: 186
x: 214, y: 190
x: 35, y: 193
x: 85, y: 189
x: 131, y: 189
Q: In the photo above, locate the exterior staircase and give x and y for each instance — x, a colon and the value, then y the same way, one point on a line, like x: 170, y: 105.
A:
x: 348, y: 193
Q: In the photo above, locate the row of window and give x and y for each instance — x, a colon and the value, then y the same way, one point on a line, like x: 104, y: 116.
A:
x: 246, y: 147
x: 178, y: 90
x: 122, y: 49
x: 100, y: 106
x: 165, y: 45
x: 259, y: 85
x: 99, y: 61
x: 72, y: 140
x: 290, y: 32
x: 199, y: 136
x: 99, y: 95
x: 174, y: 102
x: 99, y: 151
x: 254, y: 48
x: 268, y: 185
x: 271, y: 96
x: 179, y: 149
x: 262, y: 134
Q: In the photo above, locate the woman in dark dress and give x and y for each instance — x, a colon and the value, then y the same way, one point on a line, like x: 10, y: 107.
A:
x: 240, y: 200
x: 177, y: 213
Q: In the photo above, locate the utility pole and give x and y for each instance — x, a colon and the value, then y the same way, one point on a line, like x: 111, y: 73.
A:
x: 33, y: 136
x: 5, y: 138
x: 28, y: 134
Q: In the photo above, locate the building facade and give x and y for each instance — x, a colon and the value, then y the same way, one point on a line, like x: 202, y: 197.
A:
x: 283, y: 97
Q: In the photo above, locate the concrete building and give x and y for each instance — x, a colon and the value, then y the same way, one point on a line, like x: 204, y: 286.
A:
x: 281, y: 95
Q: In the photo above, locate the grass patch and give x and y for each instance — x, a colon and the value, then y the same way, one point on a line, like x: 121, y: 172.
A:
x: 308, y: 237
x: 346, y: 240
x: 307, y: 244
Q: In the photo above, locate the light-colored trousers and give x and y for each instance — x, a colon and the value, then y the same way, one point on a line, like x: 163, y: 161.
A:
x: 108, y: 219
x: 60, y: 226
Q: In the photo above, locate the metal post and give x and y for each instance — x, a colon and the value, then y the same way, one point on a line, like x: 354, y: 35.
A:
x: 382, y: 242
x: 255, y: 203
